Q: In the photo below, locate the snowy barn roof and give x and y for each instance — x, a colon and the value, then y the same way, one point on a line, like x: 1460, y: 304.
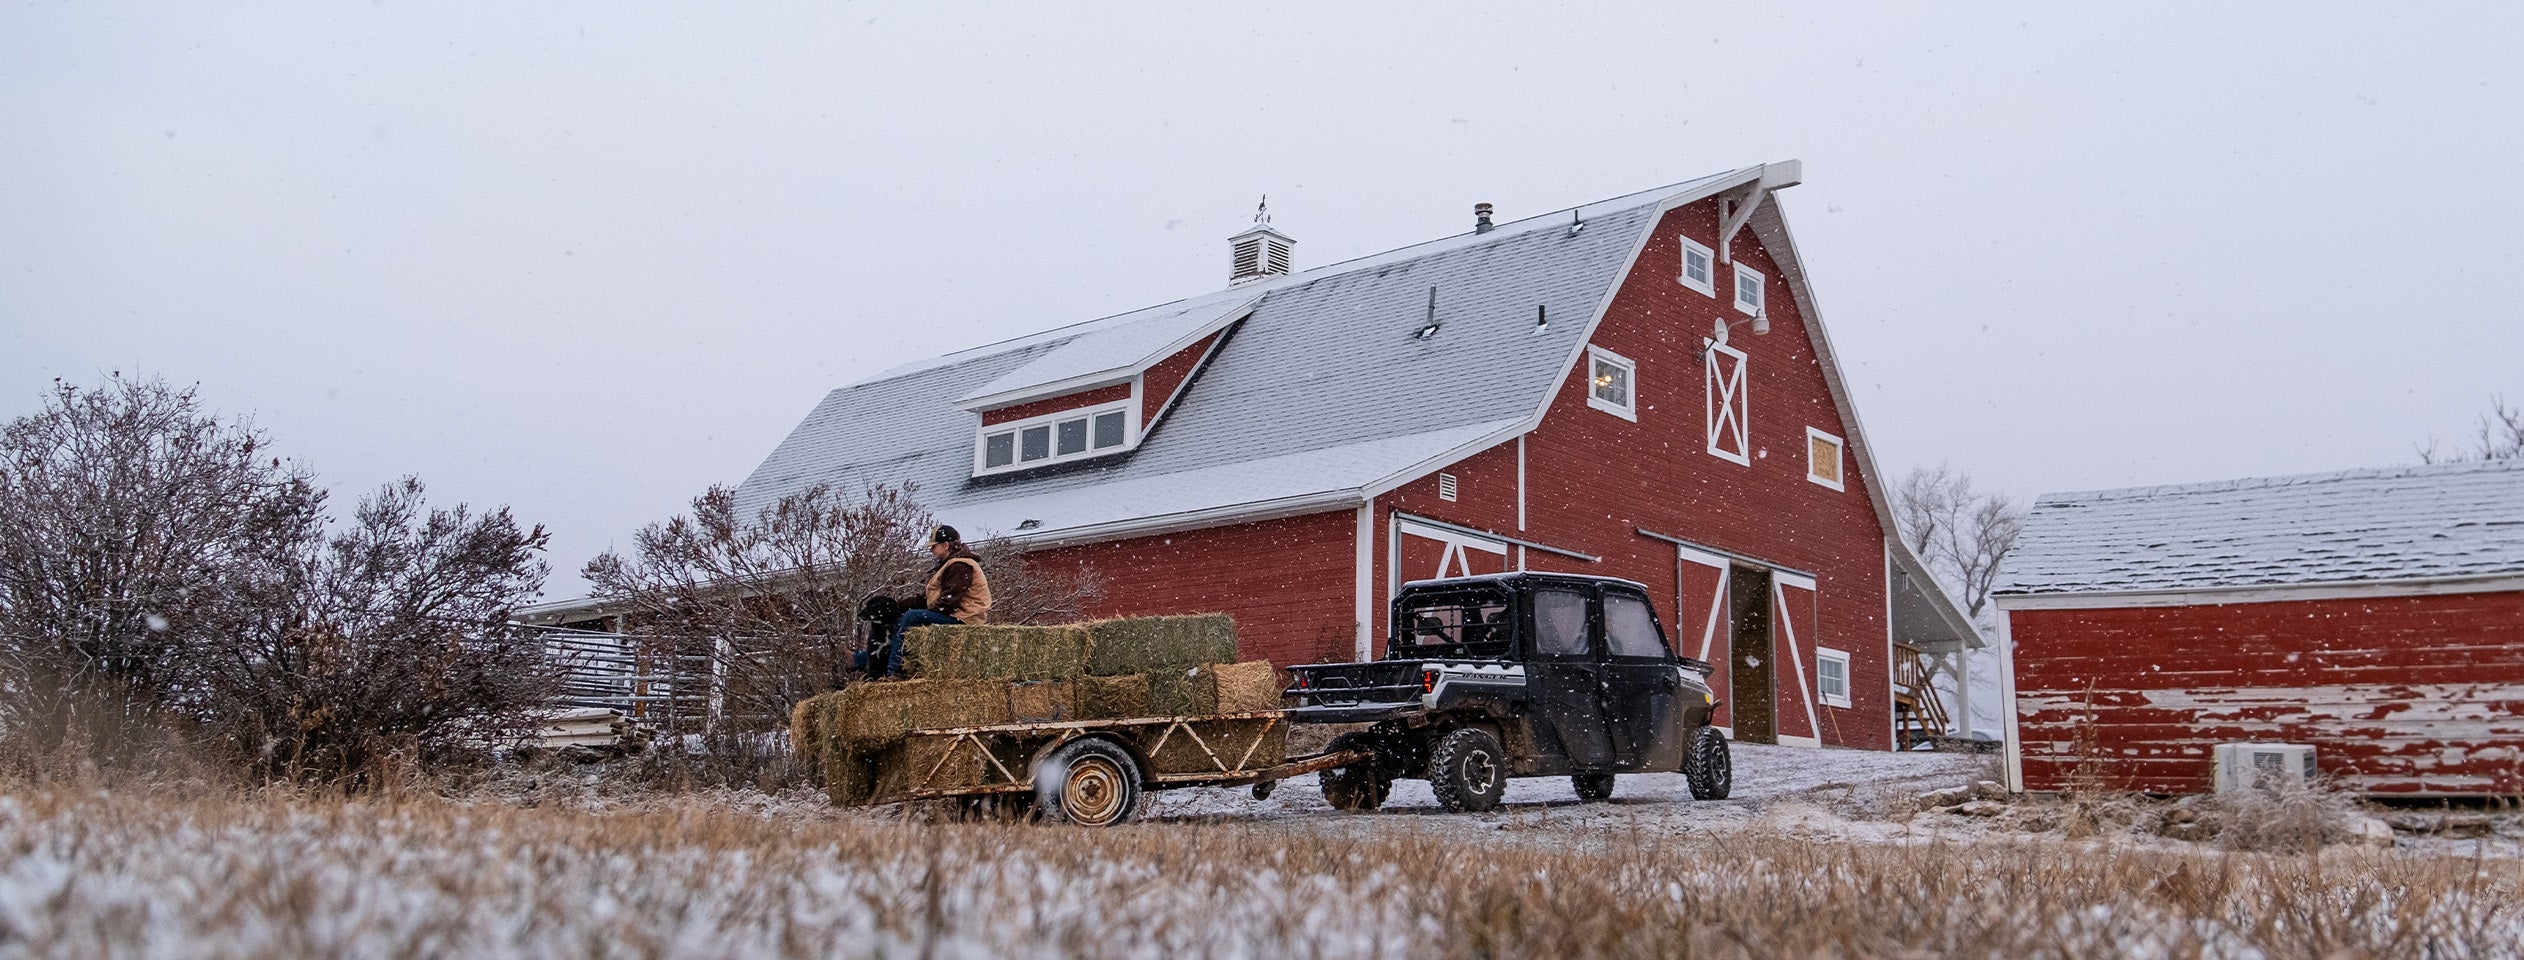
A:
x: 2429, y: 523
x: 1320, y: 394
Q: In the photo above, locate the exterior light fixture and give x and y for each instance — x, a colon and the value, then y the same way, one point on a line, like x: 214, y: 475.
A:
x: 1717, y: 336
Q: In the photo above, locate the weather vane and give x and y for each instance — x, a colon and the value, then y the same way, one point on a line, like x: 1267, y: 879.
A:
x: 1262, y: 212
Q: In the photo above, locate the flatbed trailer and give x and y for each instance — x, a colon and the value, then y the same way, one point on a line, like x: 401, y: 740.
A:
x: 1092, y: 772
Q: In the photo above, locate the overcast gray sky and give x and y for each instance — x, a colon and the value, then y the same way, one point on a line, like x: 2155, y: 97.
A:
x: 586, y: 259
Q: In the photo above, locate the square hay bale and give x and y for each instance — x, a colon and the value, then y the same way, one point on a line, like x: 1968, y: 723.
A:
x: 987, y: 652
x: 878, y: 714
x: 1112, y: 698
x: 1230, y: 740
x: 928, y: 763
x: 1042, y: 701
x: 1152, y: 645
x: 1174, y: 692
x: 1245, y: 687
x: 849, y: 773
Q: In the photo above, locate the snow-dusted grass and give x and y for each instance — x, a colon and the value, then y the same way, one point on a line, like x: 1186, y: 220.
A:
x: 553, y: 870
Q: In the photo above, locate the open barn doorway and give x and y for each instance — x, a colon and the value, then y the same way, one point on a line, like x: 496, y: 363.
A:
x: 1750, y: 665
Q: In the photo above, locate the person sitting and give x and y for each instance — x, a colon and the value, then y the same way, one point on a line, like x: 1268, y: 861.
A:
x: 957, y: 593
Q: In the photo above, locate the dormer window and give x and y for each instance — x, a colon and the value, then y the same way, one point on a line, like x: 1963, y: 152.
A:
x: 1055, y: 437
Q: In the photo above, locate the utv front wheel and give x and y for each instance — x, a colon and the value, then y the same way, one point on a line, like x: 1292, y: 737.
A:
x: 1359, y: 787
x: 1592, y: 787
x: 1468, y: 771
x: 1710, y: 773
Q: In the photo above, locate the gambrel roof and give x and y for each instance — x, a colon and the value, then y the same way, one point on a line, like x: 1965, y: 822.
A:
x: 1320, y: 397
x: 2444, y: 522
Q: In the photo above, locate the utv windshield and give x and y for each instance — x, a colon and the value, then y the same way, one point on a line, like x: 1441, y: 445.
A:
x: 1468, y: 624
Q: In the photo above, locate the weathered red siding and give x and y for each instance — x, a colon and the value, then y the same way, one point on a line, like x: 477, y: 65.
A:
x: 1088, y: 398
x: 1287, y: 582
x: 2398, y: 695
x: 1159, y: 384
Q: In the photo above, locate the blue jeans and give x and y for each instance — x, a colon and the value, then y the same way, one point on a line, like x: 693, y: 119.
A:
x: 892, y: 659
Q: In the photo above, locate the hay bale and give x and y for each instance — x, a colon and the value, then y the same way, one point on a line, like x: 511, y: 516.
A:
x: 1247, y: 687
x: 1154, y: 645
x: 1229, y: 739
x: 1042, y: 701
x: 1112, y: 698
x: 928, y: 763
x: 988, y: 652
x: 849, y: 773
x: 878, y: 714
x: 1173, y: 693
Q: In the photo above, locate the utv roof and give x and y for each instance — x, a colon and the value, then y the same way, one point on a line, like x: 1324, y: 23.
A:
x: 1514, y: 577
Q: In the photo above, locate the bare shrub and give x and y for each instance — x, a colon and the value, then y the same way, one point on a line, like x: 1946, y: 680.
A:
x: 167, y: 586
x: 2500, y: 436
x: 2281, y: 816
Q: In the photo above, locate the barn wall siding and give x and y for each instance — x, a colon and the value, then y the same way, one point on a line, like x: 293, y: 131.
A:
x: 1287, y: 582
x: 2399, y: 695
x: 1593, y: 479
x: 1074, y: 401
x: 1159, y: 384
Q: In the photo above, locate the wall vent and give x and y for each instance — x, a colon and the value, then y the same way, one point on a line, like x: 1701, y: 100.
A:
x: 2246, y: 767
x: 1446, y: 487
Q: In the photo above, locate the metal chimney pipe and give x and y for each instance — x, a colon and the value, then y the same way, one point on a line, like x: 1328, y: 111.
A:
x: 1480, y: 218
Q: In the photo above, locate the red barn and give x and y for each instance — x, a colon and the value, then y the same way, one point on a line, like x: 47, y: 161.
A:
x: 1639, y: 387
x: 2377, y: 615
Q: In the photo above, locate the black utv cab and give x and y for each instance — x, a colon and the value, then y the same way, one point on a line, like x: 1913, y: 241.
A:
x: 1516, y: 675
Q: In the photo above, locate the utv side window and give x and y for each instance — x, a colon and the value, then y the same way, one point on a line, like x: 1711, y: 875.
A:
x: 1629, y: 628
x: 1559, y: 622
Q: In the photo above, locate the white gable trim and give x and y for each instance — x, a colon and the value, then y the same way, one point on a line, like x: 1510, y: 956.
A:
x: 2264, y: 593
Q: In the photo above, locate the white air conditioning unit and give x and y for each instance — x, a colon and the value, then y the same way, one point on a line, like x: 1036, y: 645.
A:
x: 2244, y: 767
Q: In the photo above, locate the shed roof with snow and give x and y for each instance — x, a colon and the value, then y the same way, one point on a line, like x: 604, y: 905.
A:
x: 2443, y: 522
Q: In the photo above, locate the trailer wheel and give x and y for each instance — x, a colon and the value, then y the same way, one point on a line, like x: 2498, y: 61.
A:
x: 1710, y: 772
x: 1088, y: 782
x: 1592, y: 787
x: 1359, y: 787
x: 1468, y: 771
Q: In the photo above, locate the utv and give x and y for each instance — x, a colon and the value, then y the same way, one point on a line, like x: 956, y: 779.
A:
x: 1516, y: 675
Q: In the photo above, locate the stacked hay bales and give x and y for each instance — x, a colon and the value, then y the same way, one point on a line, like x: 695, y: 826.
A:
x: 969, y: 676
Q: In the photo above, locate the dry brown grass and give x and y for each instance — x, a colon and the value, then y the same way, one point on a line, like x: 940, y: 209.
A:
x: 94, y: 873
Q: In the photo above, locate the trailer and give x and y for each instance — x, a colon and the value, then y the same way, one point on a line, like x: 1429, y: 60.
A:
x: 1093, y: 772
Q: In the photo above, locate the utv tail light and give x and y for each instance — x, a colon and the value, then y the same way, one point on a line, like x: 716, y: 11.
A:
x: 1428, y: 681
x: 1304, y: 681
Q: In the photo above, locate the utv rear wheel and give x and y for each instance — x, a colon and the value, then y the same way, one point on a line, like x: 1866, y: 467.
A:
x: 1359, y: 787
x: 1468, y: 771
x: 1711, y: 774
x: 1091, y: 783
x: 1592, y: 787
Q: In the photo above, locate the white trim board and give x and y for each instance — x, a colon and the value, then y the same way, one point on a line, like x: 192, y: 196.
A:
x: 2271, y: 593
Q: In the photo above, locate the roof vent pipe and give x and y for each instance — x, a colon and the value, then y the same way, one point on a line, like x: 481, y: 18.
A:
x: 1480, y: 218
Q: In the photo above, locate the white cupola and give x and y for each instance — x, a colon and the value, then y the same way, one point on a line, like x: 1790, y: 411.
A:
x: 1258, y: 253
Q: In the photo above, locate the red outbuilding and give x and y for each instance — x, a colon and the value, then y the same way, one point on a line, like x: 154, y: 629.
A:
x: 1639, y: 387
x: 2376, y: 615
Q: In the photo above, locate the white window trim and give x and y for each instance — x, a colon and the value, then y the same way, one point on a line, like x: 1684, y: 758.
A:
x: 1628, y: 411
x: 1682, y: 265
x: 1840, y: 458
x: 1761, y: 291
x: 1130, y: 436
x: 1848, y: 680
x: 1732, y: 399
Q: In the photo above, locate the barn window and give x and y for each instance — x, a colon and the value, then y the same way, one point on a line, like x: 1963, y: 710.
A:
x: 1611, y: 383
x: 1699, y: 267
x: 1822, y: 458
x: 1748, y: 290
x: 1831, y: 674
x: 1052, y: 438
x: 1728, y: 406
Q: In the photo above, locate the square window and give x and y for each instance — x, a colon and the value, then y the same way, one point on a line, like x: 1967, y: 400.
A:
x: 1822, y: 458
x: 1035, y: 443
x: 1108, y: 429
x: 1831, y: 674
x: 999, y: 450
x: 1748, y: 289
x: 1611, y: 383
x: 1699, y: 267
x: 1073, y: 437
